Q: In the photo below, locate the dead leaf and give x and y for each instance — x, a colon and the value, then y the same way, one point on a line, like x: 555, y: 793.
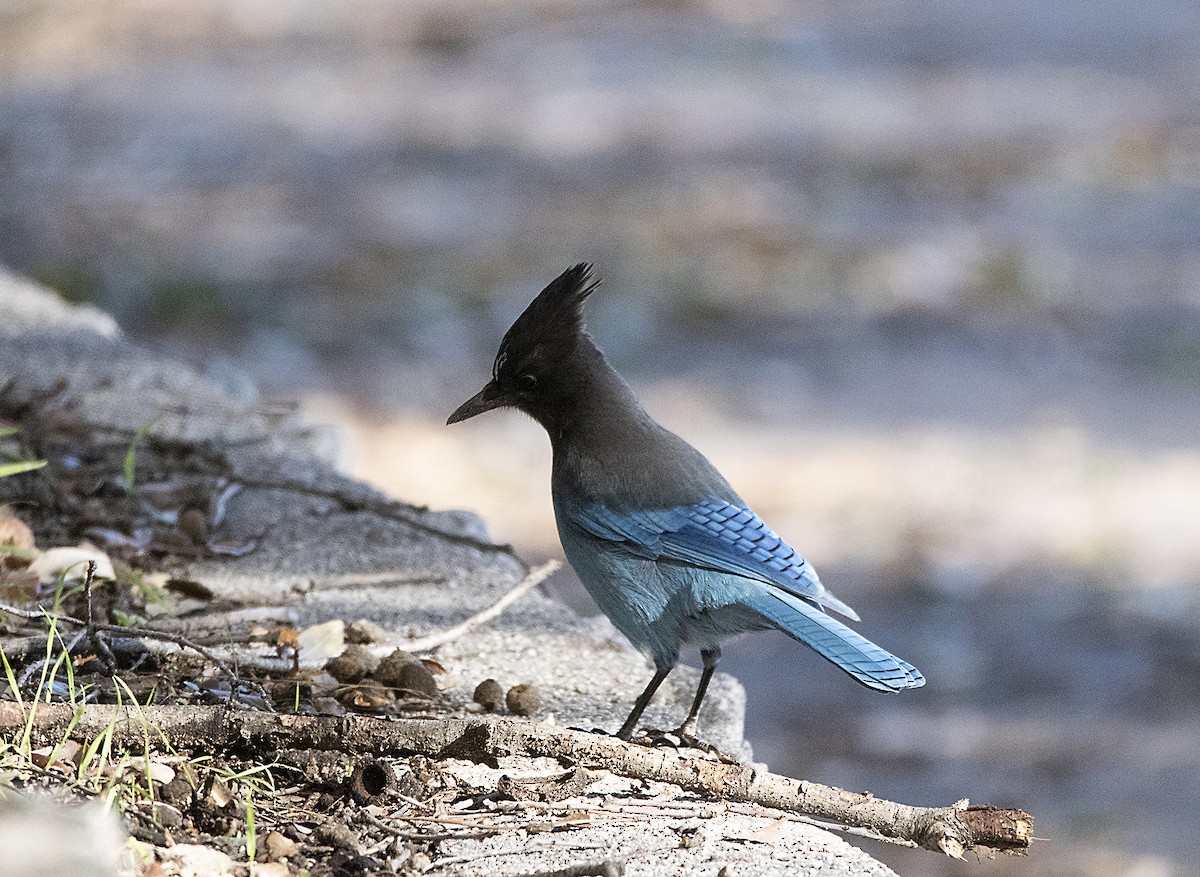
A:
x: 158, y: 771
x: 70, y: 564
x: 370, y: 696
x: 219, y: 794
x: 188, y: 588
x: 62, y: 763
x: 280, y: 846
x: 15, y: 533
x: 321, y: 642
x: 770, y: 833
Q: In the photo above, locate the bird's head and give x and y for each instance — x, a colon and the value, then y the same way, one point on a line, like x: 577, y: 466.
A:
x: 533, y: 365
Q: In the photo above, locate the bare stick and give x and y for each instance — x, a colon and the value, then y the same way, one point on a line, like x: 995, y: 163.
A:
x: 950, y: 830
x: 133, y: 632
x: 108, y: 660
x: 536, y: 577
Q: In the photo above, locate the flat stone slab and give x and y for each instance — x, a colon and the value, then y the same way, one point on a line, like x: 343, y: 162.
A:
x: 327, y: 547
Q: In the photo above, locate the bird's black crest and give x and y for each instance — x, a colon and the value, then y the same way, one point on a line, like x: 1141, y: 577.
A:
x: 552, y: 323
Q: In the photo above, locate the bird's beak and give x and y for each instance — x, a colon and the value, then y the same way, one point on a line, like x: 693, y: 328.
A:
x: 485, y: 400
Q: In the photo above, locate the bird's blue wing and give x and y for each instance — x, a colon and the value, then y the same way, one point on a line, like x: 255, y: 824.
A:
x: 717, y: 535
x: 731, y: 539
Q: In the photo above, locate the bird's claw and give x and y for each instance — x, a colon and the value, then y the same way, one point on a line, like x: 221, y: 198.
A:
x: 680, y: 738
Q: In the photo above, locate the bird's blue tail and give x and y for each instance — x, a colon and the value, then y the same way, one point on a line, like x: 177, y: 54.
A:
x: 857, y: 655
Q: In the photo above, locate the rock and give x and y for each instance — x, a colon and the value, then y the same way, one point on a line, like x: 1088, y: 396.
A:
x: 178, y: 791
x: 417, y: 678
x: 353, y: 664
x: 401, y: 670
x: 269, y: 869
x: 489, y: 695
x: 336, y: 834
x: 279, y: 846
x: 523, y: 699
x: 193, y: 523
x: 167, y: 815
x: 365, y: 631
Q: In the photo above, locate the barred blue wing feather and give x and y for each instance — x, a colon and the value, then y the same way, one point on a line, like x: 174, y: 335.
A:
x: 716, y: 535
x: 858, y: 656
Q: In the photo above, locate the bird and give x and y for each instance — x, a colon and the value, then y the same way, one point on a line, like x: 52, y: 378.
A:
x: 659, y: 539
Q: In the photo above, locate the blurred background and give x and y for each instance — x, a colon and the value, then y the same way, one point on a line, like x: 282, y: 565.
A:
x: 922, y: 279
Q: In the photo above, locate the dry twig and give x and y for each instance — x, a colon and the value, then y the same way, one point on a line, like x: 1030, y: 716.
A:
x: 535, y: 577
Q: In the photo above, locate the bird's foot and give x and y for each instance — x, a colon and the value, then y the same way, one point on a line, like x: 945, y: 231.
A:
x: 681, y: 738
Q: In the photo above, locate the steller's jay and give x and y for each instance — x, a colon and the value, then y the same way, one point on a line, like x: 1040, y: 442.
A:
x: 669, y: 552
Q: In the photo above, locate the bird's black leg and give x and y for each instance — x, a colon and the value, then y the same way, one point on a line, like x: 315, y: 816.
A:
x: 639, y: 707
x: 710, y: 657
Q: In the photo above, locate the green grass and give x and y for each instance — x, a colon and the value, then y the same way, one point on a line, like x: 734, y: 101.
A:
x: 104, y: 769
x: 130, y: 467
x: 16, y: 467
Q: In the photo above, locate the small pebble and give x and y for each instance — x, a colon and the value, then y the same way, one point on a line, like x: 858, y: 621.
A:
x: 419, y: 862
x: 389, y: 668
x: 489, y: 695
x: 193, y: 523
x: 280, y: 846
x: 352, y: 665
x: 166, y: 815
x: 365, y: 631
x: 402, y: 670
x: 178, y: 791
x: 415, y: 677
x: 336, y: 834
x: 523, y: 700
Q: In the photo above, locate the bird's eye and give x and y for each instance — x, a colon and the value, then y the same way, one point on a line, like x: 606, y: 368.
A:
x: 527, y: 382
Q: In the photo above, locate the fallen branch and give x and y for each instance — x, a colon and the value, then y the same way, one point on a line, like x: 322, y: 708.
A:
x: 951, y: 830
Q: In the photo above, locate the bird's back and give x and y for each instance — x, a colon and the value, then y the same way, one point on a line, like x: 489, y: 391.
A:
x: 634, y: 464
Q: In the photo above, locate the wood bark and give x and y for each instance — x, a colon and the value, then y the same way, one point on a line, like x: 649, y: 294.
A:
x: 951, y: 830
